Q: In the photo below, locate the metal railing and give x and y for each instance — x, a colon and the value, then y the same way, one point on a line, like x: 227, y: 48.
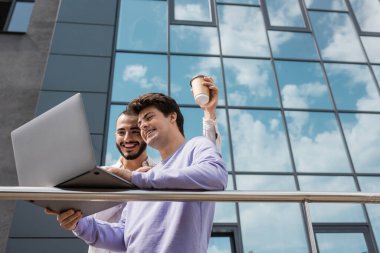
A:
x: 57, y: 194
x: 53, y: 193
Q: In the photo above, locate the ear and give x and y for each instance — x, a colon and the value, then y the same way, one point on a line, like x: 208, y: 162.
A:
x: 173, y: 117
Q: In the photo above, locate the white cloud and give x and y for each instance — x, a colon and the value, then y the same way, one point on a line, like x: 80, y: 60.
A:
x: 264, y: 228
x: 256, y: 142
x: 287, y: 13
x: 277, y: 39
x: 363, y: 138
x: 137, y: 73
x: 252, y: 74
x: 322, y: 153
x: 343, y: 43
x: 225, y: 212
x: 205, y: 38
x: 327, y: 183
x: 134, y: 72
x: 265, y: 183
x: 368, y: 14
x: 358, y: 75
x: 237, y: 98
x: 301, y: 96
x: 343, y: 212
x: 243, y: 32
x: 371, y: 45
x: 257, y: 148
x: 190, y: 12
x: 215, y: 249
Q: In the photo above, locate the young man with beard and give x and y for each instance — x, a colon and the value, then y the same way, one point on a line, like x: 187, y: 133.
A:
x: 132, y: 149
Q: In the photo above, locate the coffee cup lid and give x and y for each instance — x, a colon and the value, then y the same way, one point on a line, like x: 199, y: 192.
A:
x: 201, y: 99
x: 195, y: 78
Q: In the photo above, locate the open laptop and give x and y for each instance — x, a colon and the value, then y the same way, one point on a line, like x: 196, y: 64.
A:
x: 55, y: 149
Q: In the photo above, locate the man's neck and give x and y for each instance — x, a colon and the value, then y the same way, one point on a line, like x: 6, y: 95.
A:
x: 135, y: 163
x: 171, y: 146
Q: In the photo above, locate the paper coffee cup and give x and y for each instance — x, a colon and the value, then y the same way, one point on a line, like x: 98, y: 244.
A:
x: 200, y: 91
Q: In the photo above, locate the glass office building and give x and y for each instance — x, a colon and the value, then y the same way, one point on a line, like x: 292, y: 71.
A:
x: 299, y: 104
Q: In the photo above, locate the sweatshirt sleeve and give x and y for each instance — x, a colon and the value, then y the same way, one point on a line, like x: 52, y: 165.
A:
x: 205, y: 171
x: 101, y: 234
x: 210, y: 130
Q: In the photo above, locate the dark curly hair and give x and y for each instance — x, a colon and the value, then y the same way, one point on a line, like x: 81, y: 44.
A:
x: 161, y: 102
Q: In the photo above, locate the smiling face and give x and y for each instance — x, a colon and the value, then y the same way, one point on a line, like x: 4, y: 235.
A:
x: 156, y: 127
x: 128, y: 138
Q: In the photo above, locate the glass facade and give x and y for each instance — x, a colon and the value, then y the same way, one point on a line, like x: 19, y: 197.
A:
x: 299, y: 107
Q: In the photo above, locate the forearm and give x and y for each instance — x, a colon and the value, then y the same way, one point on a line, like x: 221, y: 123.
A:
x: 207, y: 175
x: 210, y: 131
x: 101, y: 234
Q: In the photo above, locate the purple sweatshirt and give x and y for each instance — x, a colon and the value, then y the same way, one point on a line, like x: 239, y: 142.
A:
x: 165, y: 227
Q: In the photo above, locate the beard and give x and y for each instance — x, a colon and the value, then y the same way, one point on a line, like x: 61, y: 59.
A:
x: 133, y: 156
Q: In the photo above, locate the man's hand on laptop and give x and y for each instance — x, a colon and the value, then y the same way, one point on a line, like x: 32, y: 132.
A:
x: 125, y: 173
x: 68, y: 219
x: 144, y: 169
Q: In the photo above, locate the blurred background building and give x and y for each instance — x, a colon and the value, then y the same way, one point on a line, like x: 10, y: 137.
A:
x: 299, y: 106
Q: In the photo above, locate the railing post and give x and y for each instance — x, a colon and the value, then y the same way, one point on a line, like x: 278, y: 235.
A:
x: 310, y: 230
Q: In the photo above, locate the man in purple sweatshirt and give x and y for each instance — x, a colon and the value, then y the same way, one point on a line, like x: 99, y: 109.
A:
x: 162, y: 227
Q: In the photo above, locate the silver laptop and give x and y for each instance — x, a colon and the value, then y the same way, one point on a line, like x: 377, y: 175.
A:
x: 55, y: 149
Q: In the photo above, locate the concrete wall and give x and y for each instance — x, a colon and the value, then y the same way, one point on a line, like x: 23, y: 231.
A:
x: 23, y: 59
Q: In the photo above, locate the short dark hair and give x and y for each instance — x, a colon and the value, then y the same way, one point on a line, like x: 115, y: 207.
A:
x: 161, y: 102
x: 127, y: 112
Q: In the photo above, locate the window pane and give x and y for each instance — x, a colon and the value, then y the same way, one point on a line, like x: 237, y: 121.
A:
x: 327, y: 183
x: 371, y: 45
x: 242, y: 31
x: 221, y: 115
x: 258, y: 141
x: 302, y: 85
x: 362, y: 133
x: 194, y: 39
x: 219, y: 244
x: 285, y: 13
x: 369, y: 184
x: 20, y: 17
x: 376, y: 70
x: 136, y: 74
x: 292, y: 45
x: 367, y: 14
x: 317, y: 143
x: 341, y: 242
x: 338, y: 5
x: 239, y: 1
x: 336, y: 36
x: 192, y: 10
x: 183, y: 68
x: 250, y: 82
x: 225, y: 213
x: 193, y: 122
x: 374, y: 217
x: 142, y: 25
x: 328, y: 212
x: 265, y: 183
x: 266, y: 230
x: 353, y: 87
x: 193, y: 127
